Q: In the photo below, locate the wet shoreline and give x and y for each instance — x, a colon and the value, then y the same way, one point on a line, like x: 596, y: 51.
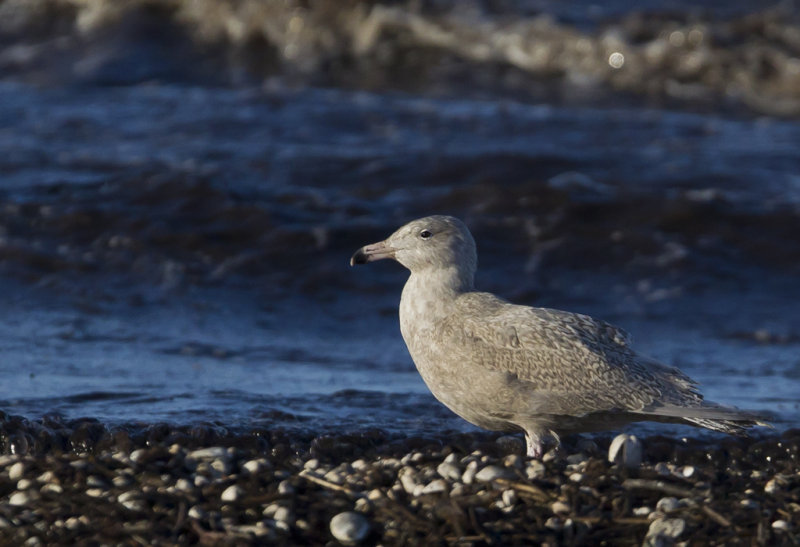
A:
x: 204, y: 483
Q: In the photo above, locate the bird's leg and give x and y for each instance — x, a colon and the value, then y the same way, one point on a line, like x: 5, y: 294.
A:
x: 533, y: 444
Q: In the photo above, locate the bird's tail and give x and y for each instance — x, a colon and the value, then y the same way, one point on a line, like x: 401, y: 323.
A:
x: 731, y: 427
x: 713, y: 416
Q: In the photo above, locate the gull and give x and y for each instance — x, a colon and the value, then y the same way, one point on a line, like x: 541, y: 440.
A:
x: 507, y: 367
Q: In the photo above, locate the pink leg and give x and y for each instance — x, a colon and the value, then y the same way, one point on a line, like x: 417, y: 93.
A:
x: 534, y: 445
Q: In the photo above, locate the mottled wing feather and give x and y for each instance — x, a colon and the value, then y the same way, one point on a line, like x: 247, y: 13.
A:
x: 572, y: 363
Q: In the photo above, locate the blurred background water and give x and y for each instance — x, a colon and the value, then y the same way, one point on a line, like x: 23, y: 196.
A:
x: 182, y: 183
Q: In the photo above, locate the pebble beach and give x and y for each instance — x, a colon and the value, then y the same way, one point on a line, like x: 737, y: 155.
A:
x: 81, y: 483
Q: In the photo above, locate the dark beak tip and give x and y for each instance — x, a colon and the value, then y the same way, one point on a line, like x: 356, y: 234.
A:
x: 359, y: 257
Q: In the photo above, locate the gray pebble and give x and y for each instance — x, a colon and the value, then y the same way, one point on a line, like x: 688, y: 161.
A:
x: 574, y: 459
x: 511, y: 443
x: 349, y: 527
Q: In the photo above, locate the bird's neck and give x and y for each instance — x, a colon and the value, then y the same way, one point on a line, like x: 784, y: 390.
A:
x: 428, y: 297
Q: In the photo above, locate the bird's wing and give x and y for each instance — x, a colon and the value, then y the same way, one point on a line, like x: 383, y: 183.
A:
x: 571, y: 363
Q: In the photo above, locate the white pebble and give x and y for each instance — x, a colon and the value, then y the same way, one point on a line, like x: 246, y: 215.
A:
x: 669, y: 528
x: 51, y: 488
x: 135, y: 456
x: 560, y: 508
x: 771, y: 487
x: 349, y: 527
x: 334, y: 476
x: 16, y: 471
x: 283, y: 514
x: 18, y: 499
x: 449, y: 471
x: 184, y: 485
x: 749, y: 504
x: 493, y: 472
x: 667, y: 504
x: 311, y: 464
x: 469, y: 473
x: 210, y: 453
x: 47, y: 476
x: 24, y: 484
x: 126, y: 496
x: 133, y: 505
x: 577, y: 477
x: 95, y: 492
x: 509, y: 497
x: 780, y: 525
x: 408, y: 478
x: 535, y: 469
x: 196, y: 512
x: 232, y: 493
x: 285, y: 488
x: 435, y: 486
x: 359, y: 465
x: 269, y: 510
x: 642, y: 511
x: 625, y: 450
x: 688, y: 471
x: 554, y: 523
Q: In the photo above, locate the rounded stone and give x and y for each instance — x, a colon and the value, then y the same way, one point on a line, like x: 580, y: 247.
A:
x: 625, y: 450
x: 19, y: 499
x: 16, y: 471
x: 349, y: 527
x: 449, y: 471
x: 670, y: 528
x: 232, y: 493
x: 435, y: 486
x: 493, y: 472
x: 667, y: 504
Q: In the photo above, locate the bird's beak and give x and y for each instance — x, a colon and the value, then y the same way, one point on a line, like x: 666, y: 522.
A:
x: 371, y: 253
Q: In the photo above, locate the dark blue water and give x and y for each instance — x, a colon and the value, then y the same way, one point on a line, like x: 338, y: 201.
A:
x: 175, y: 247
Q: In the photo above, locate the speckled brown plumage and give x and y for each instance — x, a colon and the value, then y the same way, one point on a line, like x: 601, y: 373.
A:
x: 503, y: 366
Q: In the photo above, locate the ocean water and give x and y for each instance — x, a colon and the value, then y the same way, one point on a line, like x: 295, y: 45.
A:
x: 179, y: 199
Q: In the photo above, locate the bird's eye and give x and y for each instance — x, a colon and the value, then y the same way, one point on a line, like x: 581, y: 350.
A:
x: 425, y: 234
